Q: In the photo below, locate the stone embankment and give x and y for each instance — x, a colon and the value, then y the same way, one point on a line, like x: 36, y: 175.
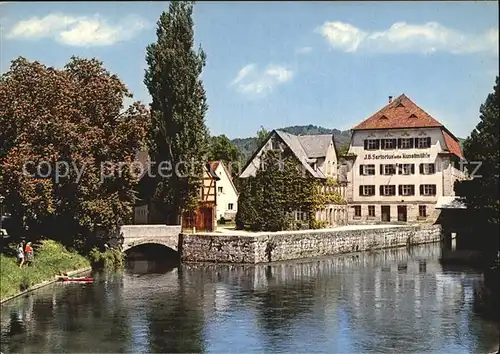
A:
x: 245, y: 247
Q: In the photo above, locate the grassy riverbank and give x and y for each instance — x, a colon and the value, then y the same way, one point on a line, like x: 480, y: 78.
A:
x: 50, y: 259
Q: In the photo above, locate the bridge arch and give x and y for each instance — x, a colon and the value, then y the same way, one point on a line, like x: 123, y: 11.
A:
x: 136, y: 244
x: 135, y: 235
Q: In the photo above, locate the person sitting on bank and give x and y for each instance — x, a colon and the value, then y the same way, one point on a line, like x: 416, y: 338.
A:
x: 29, y: 252
x: 20, y: 255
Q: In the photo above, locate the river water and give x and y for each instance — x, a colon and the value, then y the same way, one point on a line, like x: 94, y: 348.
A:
x: 393, y: 301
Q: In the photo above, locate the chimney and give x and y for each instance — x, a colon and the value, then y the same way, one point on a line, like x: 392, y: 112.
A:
x: 390, y: 99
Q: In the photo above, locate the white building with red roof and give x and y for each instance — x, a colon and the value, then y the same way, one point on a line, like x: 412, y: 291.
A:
x: 402, y: 161
x: 227, y: 194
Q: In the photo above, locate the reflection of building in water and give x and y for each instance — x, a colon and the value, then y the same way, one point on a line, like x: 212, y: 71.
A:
x: 139, y: 328
x: 447, y: 289
x: 222, y: 299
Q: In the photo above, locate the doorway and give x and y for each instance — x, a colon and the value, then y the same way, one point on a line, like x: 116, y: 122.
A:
x: 205, y: 219
x: 402, y: 213
x: 386, y: 213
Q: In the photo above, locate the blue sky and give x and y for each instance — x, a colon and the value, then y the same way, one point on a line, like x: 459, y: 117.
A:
x: 292, y: 63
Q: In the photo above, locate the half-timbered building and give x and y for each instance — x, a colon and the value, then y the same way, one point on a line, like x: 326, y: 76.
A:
x: 201, y: 219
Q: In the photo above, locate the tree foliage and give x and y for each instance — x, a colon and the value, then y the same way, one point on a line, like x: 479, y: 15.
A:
x: 75, y: 116
x: 281, y: 186
x: 178, y: 135
x: 222, y: 149
x: 481, y: 192
x: 262, y: 134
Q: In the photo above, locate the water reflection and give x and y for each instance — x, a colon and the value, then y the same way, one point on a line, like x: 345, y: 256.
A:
x: 390, y: 301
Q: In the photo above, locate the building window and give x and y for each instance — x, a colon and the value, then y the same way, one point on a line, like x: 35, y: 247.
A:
x: 427, y: 189
x: 300, y: 215
x: 230, y: 206
x: 371, y: 210
x: 388, y: 144
x: 422, y: 211
x: 357, y: 211
x: 387, y: 170
x: 388, y: 190
x: 372, y: 144
x: 367, y: 170
x: 219, y: 189
x: 423, y: 143
x: 366, y: 191
x: 406, y: 169
x: 427, y: 169
x: 405, y: 143
x: 407, y: 189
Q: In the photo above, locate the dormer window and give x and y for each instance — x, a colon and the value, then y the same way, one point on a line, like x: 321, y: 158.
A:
x: 383, y: 117
x: 413, y: 116
x: 388, y: 144
x: 423, y: 143
x: 400, y: 104
x: 372, y: 144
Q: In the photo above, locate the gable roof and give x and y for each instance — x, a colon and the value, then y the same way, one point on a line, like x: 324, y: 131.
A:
x: 306, y: 148
x: 315, y: 145
x: 210, y: 172
x: 215, y: 164
x: 452, y: 144
x: 293, y: 142
x: 403, y: 113
x: 400, y: 113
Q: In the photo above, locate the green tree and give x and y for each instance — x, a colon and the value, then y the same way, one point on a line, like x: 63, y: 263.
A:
x: 223, y: 149
x: 71, y: 119
x: 281, y: 186
x: 343, y: 150
x: 179, y: 135
x: 262, y: 135
x: 481, y: 192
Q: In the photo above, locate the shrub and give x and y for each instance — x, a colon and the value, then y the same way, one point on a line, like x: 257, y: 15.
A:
x: 112, y: 258
x: 317, y: 224
x: 50, y: 259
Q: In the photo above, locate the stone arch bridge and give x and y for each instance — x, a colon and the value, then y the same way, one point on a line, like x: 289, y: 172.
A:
x: 135, y: 235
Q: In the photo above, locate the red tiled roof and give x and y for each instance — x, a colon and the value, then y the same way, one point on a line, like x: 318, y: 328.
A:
x: 400, y: 113
x: 404, y: 113
x: 214, y: 164
x: 452, y: 144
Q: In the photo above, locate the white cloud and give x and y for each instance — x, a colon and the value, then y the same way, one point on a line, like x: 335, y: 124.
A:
x: 402, y: 37
x: 81, y: 31
x: 247, y: 69
x: 252, y: 81
x: 342, y: 36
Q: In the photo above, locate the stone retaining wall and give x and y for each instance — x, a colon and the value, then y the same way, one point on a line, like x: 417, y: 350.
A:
x: 288, y: 245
